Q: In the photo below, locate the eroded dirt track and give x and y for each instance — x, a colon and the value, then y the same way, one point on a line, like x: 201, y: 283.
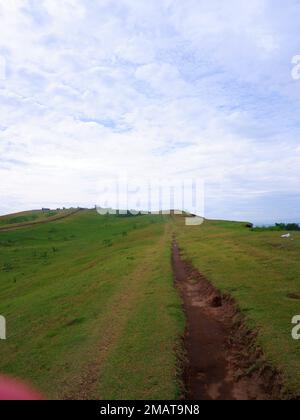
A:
x: 218, y: 360
x: 39, y: 222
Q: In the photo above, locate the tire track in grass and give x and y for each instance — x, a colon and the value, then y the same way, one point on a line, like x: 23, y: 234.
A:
x: 87, y: 384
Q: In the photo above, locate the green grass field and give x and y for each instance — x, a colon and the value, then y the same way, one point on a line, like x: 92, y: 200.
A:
x: 26, y: 216
x: 261, y: 271
x: 91, y: 308
x: 92, y: 311
x: 22, y: 219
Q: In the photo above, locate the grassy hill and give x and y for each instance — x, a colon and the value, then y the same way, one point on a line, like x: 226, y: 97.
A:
x: 260, y: 269
x: 34, y: 217
x: 90, y: 307
x: 92, y: 311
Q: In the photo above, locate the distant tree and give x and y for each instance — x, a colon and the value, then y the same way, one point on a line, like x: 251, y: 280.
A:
x: 279, y: 227
x: 292, y: 226
x: 288, y: 226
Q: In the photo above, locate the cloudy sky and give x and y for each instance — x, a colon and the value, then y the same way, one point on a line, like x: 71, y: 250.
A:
x: 151, y: 88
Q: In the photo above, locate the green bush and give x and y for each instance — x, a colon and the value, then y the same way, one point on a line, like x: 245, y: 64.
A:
x: 279, y: 227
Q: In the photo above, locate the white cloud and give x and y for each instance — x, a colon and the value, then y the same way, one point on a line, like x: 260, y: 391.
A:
x: 170, y: 87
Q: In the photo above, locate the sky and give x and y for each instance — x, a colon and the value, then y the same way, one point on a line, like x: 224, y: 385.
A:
x: 154, y: 89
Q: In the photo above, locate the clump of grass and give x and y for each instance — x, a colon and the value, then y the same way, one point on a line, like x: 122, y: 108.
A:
x: 51, y: 213
x: 7, y: 267
x: 107, y: 242
x: 6, y: 243
x: 52, y: 230
x: 22, y: 219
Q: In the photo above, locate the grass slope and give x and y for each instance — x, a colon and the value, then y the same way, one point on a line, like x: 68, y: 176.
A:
x: 34, y: 217
x: 91, y: 308
x: 261, y: 271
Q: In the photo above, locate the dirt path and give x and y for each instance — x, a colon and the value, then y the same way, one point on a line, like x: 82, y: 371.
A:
x: 39, y: 222
x: 218, y: 360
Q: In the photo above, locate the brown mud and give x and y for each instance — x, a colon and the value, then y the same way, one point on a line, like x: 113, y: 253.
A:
x: 223, y: 361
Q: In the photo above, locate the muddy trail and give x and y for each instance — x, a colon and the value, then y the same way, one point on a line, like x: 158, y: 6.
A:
x: 219, y: 364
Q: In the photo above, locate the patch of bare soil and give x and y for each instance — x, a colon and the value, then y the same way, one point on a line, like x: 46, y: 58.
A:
x: 223, y: 360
